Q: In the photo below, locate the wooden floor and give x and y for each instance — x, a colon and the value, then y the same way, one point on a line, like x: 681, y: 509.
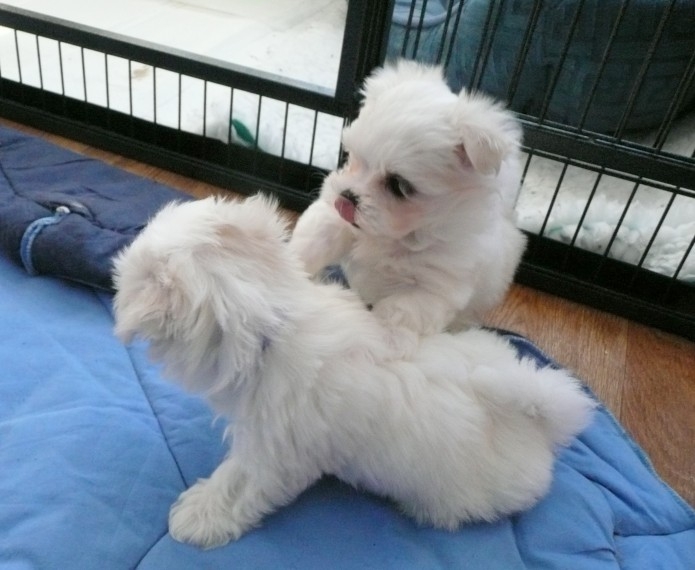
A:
x: 645, y: 377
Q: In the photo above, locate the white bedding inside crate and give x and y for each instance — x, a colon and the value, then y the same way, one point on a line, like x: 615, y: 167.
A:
x: 301, y: 40
x: 611, y: 201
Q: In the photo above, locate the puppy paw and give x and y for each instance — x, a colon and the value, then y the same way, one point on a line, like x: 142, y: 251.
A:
x: 402, y: 342
x: 202, y: 517
x: 407, y: 318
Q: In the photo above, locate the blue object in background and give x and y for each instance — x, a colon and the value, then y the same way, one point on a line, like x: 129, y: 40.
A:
x: 569, y: 50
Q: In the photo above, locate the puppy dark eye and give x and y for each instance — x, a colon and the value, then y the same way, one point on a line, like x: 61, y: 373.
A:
x: 399, y: 187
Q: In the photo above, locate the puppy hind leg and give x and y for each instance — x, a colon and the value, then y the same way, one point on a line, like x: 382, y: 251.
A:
x: 233, y: 500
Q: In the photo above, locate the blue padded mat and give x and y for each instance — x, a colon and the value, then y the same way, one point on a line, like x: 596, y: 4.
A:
x: 95, y: 446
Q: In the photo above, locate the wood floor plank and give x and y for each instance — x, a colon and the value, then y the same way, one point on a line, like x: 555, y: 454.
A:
x: 658, y: 403
x: 589, y: 343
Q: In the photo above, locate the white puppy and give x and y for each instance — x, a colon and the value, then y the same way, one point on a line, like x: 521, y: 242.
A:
x: 462, y: 431
x: 420, y: 217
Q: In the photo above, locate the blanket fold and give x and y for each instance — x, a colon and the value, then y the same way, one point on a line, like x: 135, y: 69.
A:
x: 65, y: 214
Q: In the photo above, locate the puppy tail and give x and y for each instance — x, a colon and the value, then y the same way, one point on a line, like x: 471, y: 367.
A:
x: 563, y: 404
x: 552, y: 397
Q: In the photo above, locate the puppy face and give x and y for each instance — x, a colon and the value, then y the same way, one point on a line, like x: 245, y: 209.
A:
x: 417, y: 149
x: 375, y: 200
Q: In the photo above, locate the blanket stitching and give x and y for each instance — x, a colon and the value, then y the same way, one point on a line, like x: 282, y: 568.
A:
x: 32, y: 232
x: 166, y: 442
x: 151, y: 548
x: 159, y: 423
x: 128, y: 350
x: 108, y: 307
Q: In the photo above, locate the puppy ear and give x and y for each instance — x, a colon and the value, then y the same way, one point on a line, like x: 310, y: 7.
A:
x: 487, y: 132
x: 145, y: 306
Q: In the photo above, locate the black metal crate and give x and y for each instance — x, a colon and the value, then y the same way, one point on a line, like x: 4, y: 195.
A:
x: 605, y: 90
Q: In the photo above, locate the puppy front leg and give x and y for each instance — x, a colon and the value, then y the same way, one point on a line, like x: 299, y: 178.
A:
x: 408, y: 316
x: 232, y: 501
x: 321, y: 237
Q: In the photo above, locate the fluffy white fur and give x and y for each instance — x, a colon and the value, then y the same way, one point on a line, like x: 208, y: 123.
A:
x: 462, y: 431
x: 446, y: 252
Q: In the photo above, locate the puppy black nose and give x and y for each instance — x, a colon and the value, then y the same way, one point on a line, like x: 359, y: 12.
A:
x: 350, y: 195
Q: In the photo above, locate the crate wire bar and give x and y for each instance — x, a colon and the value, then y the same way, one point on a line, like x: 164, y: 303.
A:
x: 88, y: 111
x: 605, y: 90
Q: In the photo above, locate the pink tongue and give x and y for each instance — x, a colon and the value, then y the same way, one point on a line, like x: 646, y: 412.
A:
x: 345, y: 208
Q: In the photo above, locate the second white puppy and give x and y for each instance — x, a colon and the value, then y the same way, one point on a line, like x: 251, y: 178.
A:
x: 463, y: 431
x: 421, y: 215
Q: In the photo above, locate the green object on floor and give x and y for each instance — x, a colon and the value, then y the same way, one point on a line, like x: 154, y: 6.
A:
x: 241, y: 133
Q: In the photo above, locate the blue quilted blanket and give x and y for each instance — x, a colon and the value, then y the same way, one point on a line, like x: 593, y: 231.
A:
x: 95, y: 446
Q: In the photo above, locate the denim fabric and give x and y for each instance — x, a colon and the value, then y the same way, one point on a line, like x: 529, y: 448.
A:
x: 67, y: 215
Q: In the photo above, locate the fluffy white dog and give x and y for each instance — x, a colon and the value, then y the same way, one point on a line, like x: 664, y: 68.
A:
x: 463, y: 431
x: 421, y: 215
